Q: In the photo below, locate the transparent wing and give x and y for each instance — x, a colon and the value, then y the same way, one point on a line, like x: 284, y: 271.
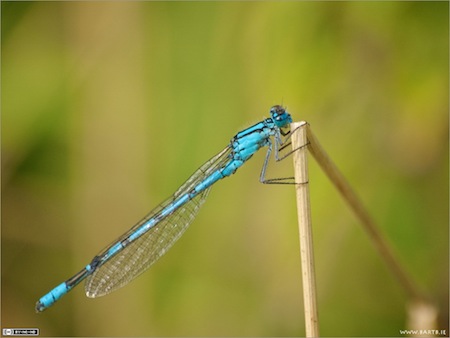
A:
x: 140, y: 254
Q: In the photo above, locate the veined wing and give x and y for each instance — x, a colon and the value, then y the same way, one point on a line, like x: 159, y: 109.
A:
x: 140, y: 254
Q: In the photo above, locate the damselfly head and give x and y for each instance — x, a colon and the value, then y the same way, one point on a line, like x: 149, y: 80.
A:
x: 280, y: 116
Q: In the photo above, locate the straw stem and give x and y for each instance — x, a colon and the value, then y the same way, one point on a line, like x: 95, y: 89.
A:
x: 362, y: 214
x: 299, y: 141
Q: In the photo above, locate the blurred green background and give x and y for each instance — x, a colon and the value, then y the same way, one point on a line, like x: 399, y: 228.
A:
x: 107, y: 107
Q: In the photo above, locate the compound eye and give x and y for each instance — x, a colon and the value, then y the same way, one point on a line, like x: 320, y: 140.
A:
x: 276, y: 110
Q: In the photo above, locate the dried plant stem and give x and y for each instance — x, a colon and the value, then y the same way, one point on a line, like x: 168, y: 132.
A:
x: 299, y: 141
x: 422, y: 312
x: 356, y: 205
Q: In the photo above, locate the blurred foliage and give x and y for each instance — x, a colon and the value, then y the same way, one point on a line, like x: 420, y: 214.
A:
x: 107, y: 107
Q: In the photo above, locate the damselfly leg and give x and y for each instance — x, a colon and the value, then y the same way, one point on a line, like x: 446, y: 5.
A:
x: 282, y: 142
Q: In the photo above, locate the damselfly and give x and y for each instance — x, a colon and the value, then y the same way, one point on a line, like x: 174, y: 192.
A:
x: 137, y: 249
